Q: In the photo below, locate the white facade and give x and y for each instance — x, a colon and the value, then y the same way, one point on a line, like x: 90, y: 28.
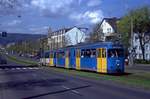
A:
x: 66, y: 37
x: 75, y: 36
x: 138, y: 50
x: 106, y: 28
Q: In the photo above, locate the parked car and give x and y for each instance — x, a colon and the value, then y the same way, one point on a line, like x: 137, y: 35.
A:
x: 3, y: 60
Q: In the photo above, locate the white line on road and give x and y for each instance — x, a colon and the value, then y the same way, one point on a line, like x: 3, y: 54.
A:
x: 30, y: 68
x: 19, y: 68
x: 24, y: 68
x: 65, y: 87
x: 36, y: 68
x: 74, y: 91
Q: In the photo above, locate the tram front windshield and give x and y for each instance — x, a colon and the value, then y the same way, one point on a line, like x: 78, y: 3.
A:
x: 115, y: 53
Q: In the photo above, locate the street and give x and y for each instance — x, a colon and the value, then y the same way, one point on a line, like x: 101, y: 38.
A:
x: 90, y: 49
x: 44, y: 83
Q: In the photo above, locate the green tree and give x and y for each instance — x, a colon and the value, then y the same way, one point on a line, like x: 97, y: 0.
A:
x: 137, y: 20
x: 124, y: 29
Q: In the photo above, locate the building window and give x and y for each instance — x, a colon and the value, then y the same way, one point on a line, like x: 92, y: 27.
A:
x: 139, y: 48
x: 147, y: 38
x: 140, y: 56
x: 109, y: 30
x: 136, y: 38
x: 146, y: 47
x: 146, y: 56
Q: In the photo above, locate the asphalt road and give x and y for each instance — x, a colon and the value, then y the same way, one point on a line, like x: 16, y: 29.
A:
x: 21, y: 82
x: 44, y: 83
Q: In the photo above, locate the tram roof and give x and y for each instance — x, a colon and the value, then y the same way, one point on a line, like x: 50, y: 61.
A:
x: 95, y: 44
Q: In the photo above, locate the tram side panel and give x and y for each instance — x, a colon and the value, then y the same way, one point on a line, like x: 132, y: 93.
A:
x: 60, y: 59
x: 54, y: 58
x: 88, y: 59
x: 115, y: 61
x: 51, y: 63
x: 77, y: 60
x: 72, y: 58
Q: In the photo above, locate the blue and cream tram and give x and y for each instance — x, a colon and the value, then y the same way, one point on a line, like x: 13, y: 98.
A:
x: 102, y: 57
x: 45, y: 58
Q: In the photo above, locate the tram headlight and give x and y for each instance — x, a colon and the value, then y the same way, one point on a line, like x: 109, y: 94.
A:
x: 118, y: 65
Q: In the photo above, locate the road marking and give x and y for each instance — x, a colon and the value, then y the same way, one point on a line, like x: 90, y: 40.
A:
x: 19, y: 68
x: 65, y: 87
x: 36, y: 68
x: 73, y: 91
x: 30, y: 68
x: 24, y: 68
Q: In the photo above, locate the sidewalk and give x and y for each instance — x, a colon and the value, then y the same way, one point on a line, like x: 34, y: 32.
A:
x: 143, y: 67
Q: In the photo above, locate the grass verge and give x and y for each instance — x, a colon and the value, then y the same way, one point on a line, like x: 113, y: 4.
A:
x: 140, y: 80
x: 21, y: 61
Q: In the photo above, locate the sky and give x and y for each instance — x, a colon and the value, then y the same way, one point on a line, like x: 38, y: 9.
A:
x: 36, y: 16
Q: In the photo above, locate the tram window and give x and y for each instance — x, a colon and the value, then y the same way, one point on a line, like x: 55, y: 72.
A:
x: 67, y: 54
x: 74, y: 53
x: 60, y: 55
x: 115, y: 53
x: 85, y: 53
x: 54, y: 55
x: 88, y: 53
x: 93, y: 52
x: 99, y: 53
x: 103, y: 53
x: 46, y: 55
x: 78, y: 53
x: 51, y: 55
x: 82, y: 53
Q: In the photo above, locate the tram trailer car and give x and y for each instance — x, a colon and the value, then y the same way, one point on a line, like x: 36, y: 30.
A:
x: 45, y: 59
x: 102, y: 57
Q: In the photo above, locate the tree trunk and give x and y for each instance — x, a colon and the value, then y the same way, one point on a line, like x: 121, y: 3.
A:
x: 143, y: 52
x: 142, y: 46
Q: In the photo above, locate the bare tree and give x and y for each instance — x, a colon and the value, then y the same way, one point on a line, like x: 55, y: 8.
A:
x: 96, y: 34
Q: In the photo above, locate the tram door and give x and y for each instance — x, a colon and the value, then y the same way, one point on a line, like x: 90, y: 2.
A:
x: 78, y: 59
x: 51, y: 59
x: 67, y: 59
x: 101, y: 60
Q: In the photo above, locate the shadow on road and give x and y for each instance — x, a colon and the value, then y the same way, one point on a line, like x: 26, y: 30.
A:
x: 30, y: 84
x: 56, y: 92
x: 121, y: 74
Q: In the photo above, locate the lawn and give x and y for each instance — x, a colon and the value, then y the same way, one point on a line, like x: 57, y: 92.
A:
x: 139, y: 79
x: 21, y: 61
